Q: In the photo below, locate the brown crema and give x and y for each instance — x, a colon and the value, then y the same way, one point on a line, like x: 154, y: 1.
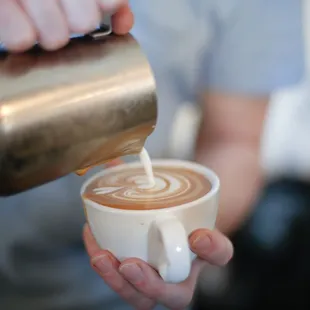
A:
x: 128, y: 189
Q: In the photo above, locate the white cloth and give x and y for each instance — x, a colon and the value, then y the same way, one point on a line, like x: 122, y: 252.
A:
x: 286, y: 137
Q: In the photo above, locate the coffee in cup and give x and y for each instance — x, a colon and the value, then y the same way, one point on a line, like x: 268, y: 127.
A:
x: 129, y: 189
x: 133, y: 217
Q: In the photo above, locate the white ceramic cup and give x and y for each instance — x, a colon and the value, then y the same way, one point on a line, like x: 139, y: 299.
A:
x: 159, y: 236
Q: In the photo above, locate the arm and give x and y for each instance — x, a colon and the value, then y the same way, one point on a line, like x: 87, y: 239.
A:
x: 251, y: 58
x: 229, y: 142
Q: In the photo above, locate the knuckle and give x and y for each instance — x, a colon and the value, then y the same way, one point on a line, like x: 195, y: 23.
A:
x: 154, y: 292
x: 52, y: 45
x: 121, y: 289
x: 218, y: 258
x: 83, y: 27
x: 21, y: 44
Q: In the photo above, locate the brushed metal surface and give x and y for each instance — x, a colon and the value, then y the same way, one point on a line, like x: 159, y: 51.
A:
x: 72, y: 109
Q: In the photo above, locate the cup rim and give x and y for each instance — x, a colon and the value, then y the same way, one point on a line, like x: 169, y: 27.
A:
x: 208, y: 173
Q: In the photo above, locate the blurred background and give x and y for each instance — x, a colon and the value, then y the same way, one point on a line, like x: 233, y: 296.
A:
x: 246, y: 47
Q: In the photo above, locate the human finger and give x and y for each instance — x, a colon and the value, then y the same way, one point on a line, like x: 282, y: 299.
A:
x: 110, y: 5
x: 83, y: 16
x: 106, y: 265
x: 211, y: 246
x: 122, y: 20
x: 147, y: 281
x: 50, y: 22
x: 16, y: 30
x: 91, y: 245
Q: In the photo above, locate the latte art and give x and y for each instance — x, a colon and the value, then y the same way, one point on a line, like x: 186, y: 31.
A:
x: 130, y: 188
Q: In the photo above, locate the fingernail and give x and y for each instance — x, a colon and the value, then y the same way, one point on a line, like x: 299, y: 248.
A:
x: 111, y: 4
x: 132, y: 272
x: 102, y: 263
x: 202, y: 242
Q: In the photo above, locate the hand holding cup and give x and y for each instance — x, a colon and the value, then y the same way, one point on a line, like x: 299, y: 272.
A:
x: 137, y: 237
x: 141, y: 286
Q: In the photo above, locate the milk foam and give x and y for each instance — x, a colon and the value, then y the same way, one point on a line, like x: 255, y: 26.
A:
x: 147, y: 165
x: 143, y: 187
x: 136, y: 187
x: 130, y: 188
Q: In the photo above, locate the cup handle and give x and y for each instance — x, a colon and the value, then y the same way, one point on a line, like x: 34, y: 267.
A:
x: 170, y: 245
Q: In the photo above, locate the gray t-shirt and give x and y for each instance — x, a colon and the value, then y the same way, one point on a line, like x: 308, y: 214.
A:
x: 247, y: 46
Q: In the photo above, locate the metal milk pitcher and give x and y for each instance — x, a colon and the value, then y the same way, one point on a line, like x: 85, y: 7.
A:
x: 72, y: 109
